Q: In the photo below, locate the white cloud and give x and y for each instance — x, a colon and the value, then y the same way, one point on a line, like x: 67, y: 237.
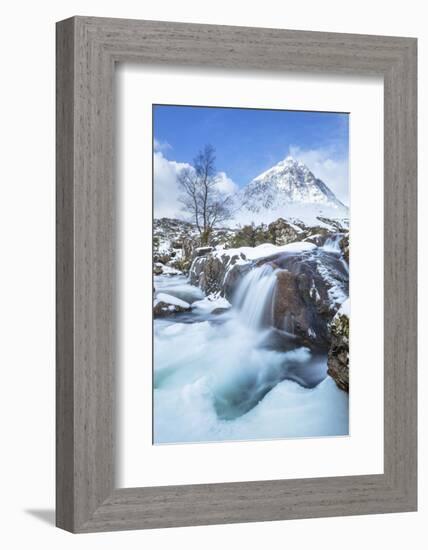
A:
x: 333, y: 172
x: 166, y: 191
x: 166, y: 188
x: 225, y: 184
x: 161, y: 145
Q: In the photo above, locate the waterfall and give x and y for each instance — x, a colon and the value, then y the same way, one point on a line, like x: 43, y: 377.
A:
x: 254, y: 296
x: 332, y: 244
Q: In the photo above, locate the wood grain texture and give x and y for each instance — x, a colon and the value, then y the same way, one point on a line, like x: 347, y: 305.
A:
x: 64, y: 276
x: 87, y: 49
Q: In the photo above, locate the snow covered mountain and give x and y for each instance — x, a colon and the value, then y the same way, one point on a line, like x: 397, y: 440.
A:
x: 290, y: 182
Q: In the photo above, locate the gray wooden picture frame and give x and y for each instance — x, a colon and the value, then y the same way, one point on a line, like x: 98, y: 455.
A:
x: 87, y: 50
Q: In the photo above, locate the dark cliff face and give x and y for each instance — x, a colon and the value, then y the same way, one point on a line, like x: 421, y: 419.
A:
x: 338, y: 355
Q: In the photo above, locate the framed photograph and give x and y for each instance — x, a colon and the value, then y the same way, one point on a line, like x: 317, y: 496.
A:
x: 251, y: 275
x: 236, y: 274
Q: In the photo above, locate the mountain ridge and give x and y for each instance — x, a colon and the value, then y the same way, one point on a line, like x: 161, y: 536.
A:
x: 288, y: 182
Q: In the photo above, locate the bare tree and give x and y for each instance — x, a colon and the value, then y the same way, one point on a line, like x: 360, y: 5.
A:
x: 200, y: 195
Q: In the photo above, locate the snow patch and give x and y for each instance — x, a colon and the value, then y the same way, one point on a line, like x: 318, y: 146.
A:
x: 209, y: 303
x: 267, y: 249
x: 169, y: 299
x: 345, y: 308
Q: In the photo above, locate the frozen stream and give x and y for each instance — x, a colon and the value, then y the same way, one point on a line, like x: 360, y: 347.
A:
x: 225, y: 377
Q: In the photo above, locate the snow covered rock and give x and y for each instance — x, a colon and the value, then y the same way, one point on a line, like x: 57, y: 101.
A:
x: 176, y: 242
x: 162, y: 258
x: 309, y: 286
x: 212, y: 276
x: 212, y: 304
x: 221, y: 270
x: 212, y: 272
x: 166, y: 304
x: 283, y: 232
x: 338, y: 355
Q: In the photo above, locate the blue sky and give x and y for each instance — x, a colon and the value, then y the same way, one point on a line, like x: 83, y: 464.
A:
x: 249, y: 141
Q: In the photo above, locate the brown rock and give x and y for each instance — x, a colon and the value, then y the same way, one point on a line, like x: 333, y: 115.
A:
x: 211, y: 278
x: 163, y: 258
x: 338, y: 355
x: 163, y: 309
x: 300, y: 308
x: 214, y: 273
x: 202, y: 251
x: 282, y: 232
x: 344, y: 246
x: 219, y: 310
x: 317, y: 235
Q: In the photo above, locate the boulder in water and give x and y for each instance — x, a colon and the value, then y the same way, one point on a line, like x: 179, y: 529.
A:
x: 299, y: 309
x: 163, y: 309
x: 166, y: 305
x: 302, y: 302
x: 220, y: 310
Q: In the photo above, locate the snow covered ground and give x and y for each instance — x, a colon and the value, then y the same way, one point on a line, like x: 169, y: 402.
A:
x: 267, y: 249
x: 308, y: 214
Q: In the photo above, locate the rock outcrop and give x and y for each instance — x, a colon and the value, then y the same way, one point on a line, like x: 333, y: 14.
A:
x: 216, y: 273
x: 338, y: 355
x: 301, y: 304
x: 157, y: 268
x: 282, y: 232
x: 344, y: 246
x: 176, y: 242
x: 309, y: 289
x: 207, y: 272
x: 317, y: 235
x: 202, y: 251
x: 163, y: 309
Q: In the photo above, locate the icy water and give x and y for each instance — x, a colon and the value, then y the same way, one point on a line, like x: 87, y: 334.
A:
x: 230, y: 376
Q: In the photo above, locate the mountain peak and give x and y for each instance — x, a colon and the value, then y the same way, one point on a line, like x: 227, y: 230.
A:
x: 288, y: 181
x: 289, y: 164
x: 289, y: 160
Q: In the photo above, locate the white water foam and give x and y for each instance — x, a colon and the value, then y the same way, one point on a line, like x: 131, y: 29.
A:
x: 217, y: 380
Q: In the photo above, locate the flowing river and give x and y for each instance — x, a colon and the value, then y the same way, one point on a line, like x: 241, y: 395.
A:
x: 227, y: 374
